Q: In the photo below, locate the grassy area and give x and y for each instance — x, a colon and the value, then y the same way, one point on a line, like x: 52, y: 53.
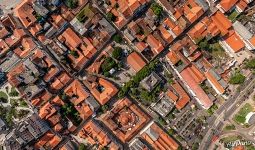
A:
x: 14, y: 92
x: 250, y: 147
x: 231, y: 138
x: 233, y: 16
x: 85, y: 12
x: 217, y: 51
x: 23, y: 103
x: 14, y: 102
x: 107, y: 65
x: 229, y: 127
x: 240, y: 116
x: 21, y: 114
x: 3, y: 95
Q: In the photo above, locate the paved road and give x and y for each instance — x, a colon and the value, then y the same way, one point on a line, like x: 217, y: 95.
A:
x: 227, y: 109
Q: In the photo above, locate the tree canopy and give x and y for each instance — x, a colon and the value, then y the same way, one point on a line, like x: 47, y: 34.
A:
x: 117, y: 38
x: 157, y: 9
x: 117, y: 53
x: 111, y: 16
x: 237, y: 78
x: 108, y: 64
x: 71, y: 3
x: 250, y: 64
x: 82, y: 147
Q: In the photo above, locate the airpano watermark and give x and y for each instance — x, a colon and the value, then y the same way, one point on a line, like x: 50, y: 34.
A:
x: 239, y: 143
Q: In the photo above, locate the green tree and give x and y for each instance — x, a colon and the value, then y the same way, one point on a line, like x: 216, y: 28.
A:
x: 111, y: 16
x: 108, y: 64
x: 117, y: 38
x: 70, y: 111
x: 170, y: 81
x: 195, y: 146
x: 117, y: 53
x: 171, y: 131
x: 105, y: 148
x: 107, y: 74
x: 82, y: 147
x: 237, y: 78
x: 71, y: 3
x: 74, y: 53
x: 134, y: 91
x: 250, y: 64
x: 204, y: 45
x: 140, y: 31
x: 13, y: 92
x: 161, y: 121
x: 116, y: 5
x: 105, y: 108
x: 157, y: 9
x: 121, y: 94
x: 64, y: 97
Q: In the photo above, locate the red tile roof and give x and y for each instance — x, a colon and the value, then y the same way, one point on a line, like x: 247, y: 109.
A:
x: 125, y: 119
x: 234, y: 41
x: 60, y: 81
x: 71, y: 38
x: 47, y: 111
x: 163, y: 141
x: 27, y: 45
x: 252, y: 41
x: 227, y: 4
x: 215, y: 82
x: 192, y: 10
x: 44, y: 139
x: 192, y: 82
x: 141, y: 46
x: 78, y: 96
x: 172, y: 95
x: 42, y: 98
x: 222, y: 22
x: 183, y: 96
x: 95, y: 135
x: 109, y: 90
x: 24, y: 11
x: 135, y: 61
x: 242, y: 5
x: 173, y: 57
x: 77, y: 92
x: 54, y: 142
x: 155, y: 44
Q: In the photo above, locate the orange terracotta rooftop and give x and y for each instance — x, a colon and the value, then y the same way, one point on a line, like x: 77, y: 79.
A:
x: 95, y: 135
x: 101, y: 89
x: 157, y: 138
x: 180, y: 100
x: 135, y: 61
x: 125, y: 119
x: 78, y: 96
x: 193, y: 77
